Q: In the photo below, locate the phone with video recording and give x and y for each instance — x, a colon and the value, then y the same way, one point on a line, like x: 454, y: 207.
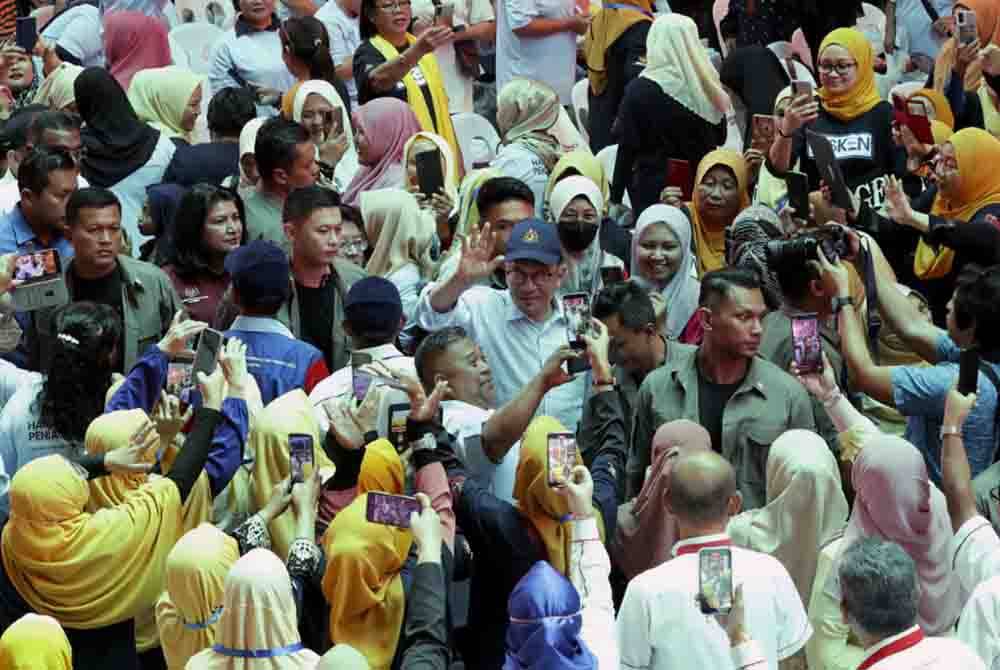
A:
x: 679, y: 175
x: 300, y: 454
x: 206, y: 357
x: 576, y: 308
x: 807, y: 347
x: 430, y: 177
x: 965, y: 22
x: 762, y: 132
x: 360, y: 379
x: 390, y: 510
x: 968, y: 371
x: 38, y: 281
x: 178, y: 377
x: 561, y: 449
x: 802, y: 87
x: 798, y: 193
x: 26, y: 32
x: 715, y: 580
x: 398, y: 413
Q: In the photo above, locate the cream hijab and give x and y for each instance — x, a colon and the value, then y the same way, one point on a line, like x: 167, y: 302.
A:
x: 450, y: 170
x: 348, y: 165
x: 805, y: 509
x: 676, y: 60
x: 258, y: 614
x: 159, y: 97
x: 398, y: 231
x: 56, y: 92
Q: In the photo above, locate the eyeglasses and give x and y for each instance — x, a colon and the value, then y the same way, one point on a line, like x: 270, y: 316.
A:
x: 394, y: 6
x: 354, y: 246
x: 520, y: 277
x: 841, y: 68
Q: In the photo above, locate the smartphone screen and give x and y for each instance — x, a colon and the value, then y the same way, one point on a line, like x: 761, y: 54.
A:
x: 338, y: 122
x: 807, y: 349
x: 612, y: 275
x: 37, y: 267
x: 300, y: 454
x: 680, y: 176
x: 576, y: 307
x: 360, y: 380
x: 429, y: 174
x: 178, y: 377
x: 966, y: 21
x: 390, y: 510
x: 207, y: 355
x: 561, y: 453
x: 798, y: 193
x: 26, y: 34
x: 398, y: 414
x: 715, y: 580
x: 968, y: 371
x: 802, y: 87
x: 762, y: 134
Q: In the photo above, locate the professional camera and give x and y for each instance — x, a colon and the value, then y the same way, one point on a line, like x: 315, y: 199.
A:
x: 832, y: 239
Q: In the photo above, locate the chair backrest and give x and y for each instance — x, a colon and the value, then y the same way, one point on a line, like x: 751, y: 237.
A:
x: 906, y: 89
x: 608, y: 156
x: 477, y: 137
x: 872, y: 24
x: 191, y: 45
x: 801, y: 47
x: 581, y: 107
x: 217, y: 12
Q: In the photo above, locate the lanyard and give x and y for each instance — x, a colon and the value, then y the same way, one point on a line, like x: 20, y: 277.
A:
x: 902, y: 644
x: 258, y: 653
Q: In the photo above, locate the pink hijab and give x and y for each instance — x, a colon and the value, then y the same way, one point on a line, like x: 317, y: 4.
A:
x: 896, y: 501
x: 387, y: 124
x: 646, y: 530
x: 133, y: 42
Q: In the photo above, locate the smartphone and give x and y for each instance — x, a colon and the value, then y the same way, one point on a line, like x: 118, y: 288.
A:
x: 798, y: 193
x: 715, y: 580
x: 38, y: 281
x: 612, y: 274
x: 679, y: 175
x: 762, y: 132
x: 429, y: 175
x: 561, y: 458
x: 968, y: 371
x: 802, y: 87
x: 807, y: 348
x: 829, y: 169
x: 965, y: 20
x: 26, y: 34
x: 390, y: 510
x: 178, y: 377
x: 360, y: 380
x: 207, y: 355
x: 576, y: 307
x: 300, y: 454
x: 398, y: 413
x: 338, y: 122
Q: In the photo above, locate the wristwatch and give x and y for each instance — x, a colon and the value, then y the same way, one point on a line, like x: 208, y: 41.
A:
x: 950, y: 430
x: 839, y: 303
x: 426, y: 442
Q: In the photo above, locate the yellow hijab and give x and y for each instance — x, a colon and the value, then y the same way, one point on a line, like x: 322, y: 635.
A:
x: 187, y: 613
x: 397, y: 231
x: 35, y: 642
x: 542, y: 505
x: 991, y: 115
x: 291, y: 413
x: 381, y: 469
x: 159, y: 97
x: 363, y: 583
x: 415, y: 97
x: 710, y: 245
x: 605, y: 28
x: 861, y: 97
x: 86, y: 570
x: 977, y: 153
x: 288, y: 101
x: 583, y: 163
x: 988, y: 26
x: 468, y: 210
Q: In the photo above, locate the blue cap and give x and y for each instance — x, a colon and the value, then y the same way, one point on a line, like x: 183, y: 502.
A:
x: 260, y: 272
x: 373, y: 304
x: 534, y: 240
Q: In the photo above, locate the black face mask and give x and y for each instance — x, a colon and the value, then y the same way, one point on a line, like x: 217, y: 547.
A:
x: 993, y: 81
x: 577, y: 236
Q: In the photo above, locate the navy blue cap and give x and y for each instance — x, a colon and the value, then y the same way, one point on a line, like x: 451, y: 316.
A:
x: 373, y: 305
x: 534, y: 240
x: 260, y: 272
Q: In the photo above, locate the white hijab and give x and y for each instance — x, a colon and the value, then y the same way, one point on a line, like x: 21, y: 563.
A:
x: 348, y: 165
x: 676, y: 60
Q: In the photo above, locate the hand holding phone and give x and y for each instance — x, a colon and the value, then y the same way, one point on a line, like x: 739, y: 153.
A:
x: 390, y: 510
x: 798, y: 193
x: 965, y: 21
x: 715, y: 580
x: 207, y: 355
x: 360, y: 379
x: 430, y: 176
x: 576, y: 307
x: 561, y: 458
x: 762, y: 133
x: 679, y: 175
x: 300, y: 455
x: 807, y: 347
x: 968, y: 371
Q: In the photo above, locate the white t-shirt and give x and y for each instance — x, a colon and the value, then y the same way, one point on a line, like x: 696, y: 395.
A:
x: 975, y: 553
x: 345, y: 38
x: 660, y: 626
x: 931, y: 653
x: 550, y: 59
x: 465, y: 423
x: 979, y: 625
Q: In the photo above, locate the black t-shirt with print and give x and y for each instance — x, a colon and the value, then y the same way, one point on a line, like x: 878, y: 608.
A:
x: 366, y: 59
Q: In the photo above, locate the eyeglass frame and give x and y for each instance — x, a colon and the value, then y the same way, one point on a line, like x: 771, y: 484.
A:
x: 840, y: 68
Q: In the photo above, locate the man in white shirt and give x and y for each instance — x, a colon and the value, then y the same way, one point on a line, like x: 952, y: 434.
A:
x: 879, y: 597
x: 660, y: 625
x: 519, y: 328
x: 343, y: 22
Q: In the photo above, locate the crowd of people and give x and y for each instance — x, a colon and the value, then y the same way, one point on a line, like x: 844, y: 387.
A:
x: 409, y: 335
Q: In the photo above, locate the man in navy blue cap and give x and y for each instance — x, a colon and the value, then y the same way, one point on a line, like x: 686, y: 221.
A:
x: 261, y: 285
x: 517, y: 328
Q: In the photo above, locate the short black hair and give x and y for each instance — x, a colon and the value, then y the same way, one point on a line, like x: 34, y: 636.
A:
x: 276, y: 143
x: 794, y: 274
x: 33, y: 175
x: 431, y: 348
x: 302, y: 202
x: 353, y: 215
x: 91, y: 197
x: 629, y: 301
x: 229, y: 110
x: 977, y: 293
x: 58, y: 121
x: 718, y: 284
x: 501, y: 189
x: 15, y: 131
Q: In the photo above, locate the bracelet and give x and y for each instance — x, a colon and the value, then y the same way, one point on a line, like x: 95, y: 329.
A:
x: 832, y: 398
x: 777, y: 127
x: 954, y: 431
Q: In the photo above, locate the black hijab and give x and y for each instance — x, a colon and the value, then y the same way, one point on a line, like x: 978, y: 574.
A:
x: 115, y: 142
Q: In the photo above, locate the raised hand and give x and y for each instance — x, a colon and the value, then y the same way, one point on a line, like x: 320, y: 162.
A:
x: 181, y: 328
x: 477, y: 261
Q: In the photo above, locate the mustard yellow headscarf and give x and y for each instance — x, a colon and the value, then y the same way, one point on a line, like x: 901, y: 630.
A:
x: 583, y: 163
x: 605, y: 28
x: 381, y: 469
x: 187, y: 613
x: 977, y: 153
x: 291, y: 413
x: 35, y: 642
x: 541, y: 504
x: 363, y: 583
x: 863, y: 95
x: 468, y: 210
x: 87, y: 570
x: 710, y: 245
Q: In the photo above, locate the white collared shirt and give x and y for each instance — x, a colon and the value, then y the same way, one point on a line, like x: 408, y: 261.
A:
x: 975, y: 553
x: 931, y: 653
x: 661, y: 627
x: 515, y: 346
x: 465, y: 423
x: 979, y: 625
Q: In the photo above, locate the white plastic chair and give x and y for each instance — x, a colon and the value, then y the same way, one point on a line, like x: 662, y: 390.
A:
x: 581, y: 107
x: 872, y: 24
x: 217, y: 12
x: 719, y: 10
x: 477, y: 137
x: 191, y: 45
x: 906, y: 89
x: 608, y: 156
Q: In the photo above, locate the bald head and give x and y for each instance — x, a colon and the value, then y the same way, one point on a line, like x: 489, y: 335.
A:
x: 702, y: 488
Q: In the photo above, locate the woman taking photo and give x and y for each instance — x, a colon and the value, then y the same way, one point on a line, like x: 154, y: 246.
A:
x: 318, y: 107
x: 207, y: 226
x: 676, y: 109
x: 381, y: 130
x: 392, y: 62
x: 440, y: 205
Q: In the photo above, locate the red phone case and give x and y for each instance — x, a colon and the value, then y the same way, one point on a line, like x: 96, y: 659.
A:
x: 679, y: 175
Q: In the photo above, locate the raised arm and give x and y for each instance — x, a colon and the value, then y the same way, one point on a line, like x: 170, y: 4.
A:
x: 956, y: 474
